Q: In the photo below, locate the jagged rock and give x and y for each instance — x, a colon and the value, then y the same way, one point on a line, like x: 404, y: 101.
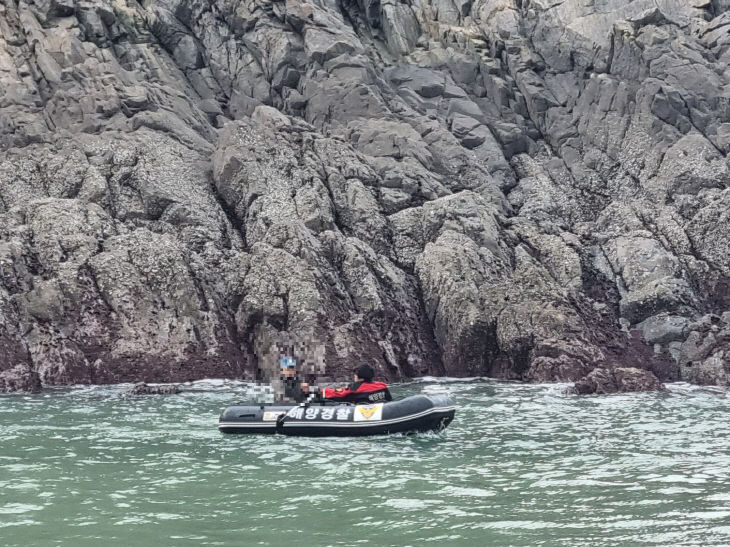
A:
x: 663, y: 329
x: 619, y: 380
x: 704, y: 356
x: 20, y: 378
x: 527, y: 190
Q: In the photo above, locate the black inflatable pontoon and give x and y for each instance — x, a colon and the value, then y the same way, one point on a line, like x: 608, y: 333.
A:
x: 417, y: 413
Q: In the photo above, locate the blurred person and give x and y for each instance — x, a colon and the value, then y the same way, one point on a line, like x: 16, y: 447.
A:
x: 294, y: 389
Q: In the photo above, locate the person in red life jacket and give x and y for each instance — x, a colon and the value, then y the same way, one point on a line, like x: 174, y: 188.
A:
x: 362, y: 390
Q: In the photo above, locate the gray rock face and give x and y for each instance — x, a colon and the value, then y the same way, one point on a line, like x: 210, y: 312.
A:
x: 520, y: 189
x: 704, y: 356
x: 602, y: 381
x: 20, y: 378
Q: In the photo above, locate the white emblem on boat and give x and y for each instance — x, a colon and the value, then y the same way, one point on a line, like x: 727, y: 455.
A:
x: 272, y: 415
x: 369, y: 413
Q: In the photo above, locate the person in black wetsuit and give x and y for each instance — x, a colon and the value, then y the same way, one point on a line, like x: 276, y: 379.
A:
x: 294, y: 389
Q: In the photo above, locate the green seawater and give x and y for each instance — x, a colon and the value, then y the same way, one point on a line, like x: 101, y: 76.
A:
x: 520, y: 465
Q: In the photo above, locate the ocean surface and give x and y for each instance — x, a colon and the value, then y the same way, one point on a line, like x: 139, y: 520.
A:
x: 520, y: 465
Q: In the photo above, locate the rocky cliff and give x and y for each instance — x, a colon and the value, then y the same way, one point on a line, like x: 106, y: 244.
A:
x: 524, y: 189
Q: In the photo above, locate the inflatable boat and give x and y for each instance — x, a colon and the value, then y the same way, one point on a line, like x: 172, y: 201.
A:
x: 329, y: 418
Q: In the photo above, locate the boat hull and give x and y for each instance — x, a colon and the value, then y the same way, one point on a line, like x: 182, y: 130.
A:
x: 412, y: 414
